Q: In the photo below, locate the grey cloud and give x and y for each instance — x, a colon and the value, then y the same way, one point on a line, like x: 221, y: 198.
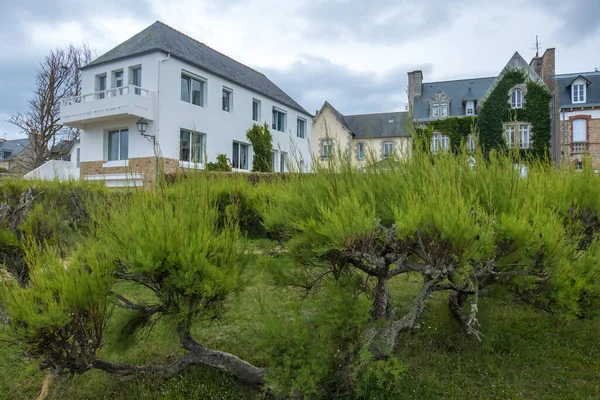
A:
x: 313, y: 80
x: 580, y: 18
x: 382, y: 21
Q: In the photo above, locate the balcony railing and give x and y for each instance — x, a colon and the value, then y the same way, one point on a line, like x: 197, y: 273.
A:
x: 579, y: 147
x: 103, y: 104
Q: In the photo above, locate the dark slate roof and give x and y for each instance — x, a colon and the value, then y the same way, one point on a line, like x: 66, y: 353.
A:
x: 367, y: 126
x: 15, y: 146
x: 592, y: 92
x: 458, y: 91
x: 161, y: 37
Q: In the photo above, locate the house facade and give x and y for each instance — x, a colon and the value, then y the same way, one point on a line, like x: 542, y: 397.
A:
x: 453, y: 112
x: 578, y: 98
x: 362, y: 138
x: 16, y: 156
x: 189, y: 101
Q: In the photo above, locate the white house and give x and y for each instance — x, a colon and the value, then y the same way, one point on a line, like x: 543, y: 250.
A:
x: 196, y: 102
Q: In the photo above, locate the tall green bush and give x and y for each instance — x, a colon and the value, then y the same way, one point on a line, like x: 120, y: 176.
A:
x: 262, y: 145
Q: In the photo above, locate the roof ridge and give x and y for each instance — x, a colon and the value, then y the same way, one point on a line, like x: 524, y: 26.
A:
x: 458, y: 80
x: 205, y: 45
x: 376, y: 113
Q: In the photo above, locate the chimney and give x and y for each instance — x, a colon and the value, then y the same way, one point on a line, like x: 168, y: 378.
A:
x: 549, y: 68
x: 415, y: 80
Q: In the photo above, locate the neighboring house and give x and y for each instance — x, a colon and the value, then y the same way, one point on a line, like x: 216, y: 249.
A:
x: 433, y: 102
x: 579, y: 117
x: 192, y: 100
x: 360, y: 138
x: 15, y: 155
x: 63, y: 165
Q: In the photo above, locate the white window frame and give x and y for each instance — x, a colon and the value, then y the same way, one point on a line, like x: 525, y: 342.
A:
x: 434, y: 145
x: 283, y: 162
x: 301, y: 133
x: 444, y: 110
x: 360, y: 150
x: 258, y: 110
x: 119, y: 156
x: 191, y: 78
x: 470, y: 107
x: 100, y: 86
x: 132, y: 74
x: 117, y: 82
x: 524, y: 136
x: 275, y: 125
x: 471, y: 143
x: 241, y: 146
x: 229, y: 106
x: 578, y: 93
x: 275, y: 160
x: 518, y: 101
x: 435, y: 110
x: 388, y: 149
x: 509, y: 135
x: 326, y: 148
x: 190, y: 161
x: 444, y: 142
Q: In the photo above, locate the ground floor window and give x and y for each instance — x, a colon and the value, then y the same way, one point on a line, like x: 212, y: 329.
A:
x: 439, y: 142
x: 326, y: 148
x: 239, y: 159
x: 522, y: 140
x: 282, y: 162
x: 118, y: 144
x: 275, y: 160
x: 388, y: 149
x: 191, y: 146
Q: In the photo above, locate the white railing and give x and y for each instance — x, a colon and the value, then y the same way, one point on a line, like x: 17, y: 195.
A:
x: 579, y: 147
x: 105, y: 94
x: 133, y: 100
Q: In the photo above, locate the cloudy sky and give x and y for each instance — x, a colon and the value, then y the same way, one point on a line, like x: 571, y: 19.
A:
x: 353, y: 53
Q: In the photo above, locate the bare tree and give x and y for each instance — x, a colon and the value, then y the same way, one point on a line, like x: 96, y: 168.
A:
x: 58, y: 77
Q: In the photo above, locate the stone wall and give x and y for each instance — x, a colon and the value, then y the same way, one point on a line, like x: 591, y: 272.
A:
x: 145, y: 165
x: 593, y: 140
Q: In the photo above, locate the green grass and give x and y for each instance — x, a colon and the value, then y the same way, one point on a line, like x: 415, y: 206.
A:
x: 525, y: 354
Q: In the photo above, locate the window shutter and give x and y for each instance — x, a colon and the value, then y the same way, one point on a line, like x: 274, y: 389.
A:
x: 579, y: 130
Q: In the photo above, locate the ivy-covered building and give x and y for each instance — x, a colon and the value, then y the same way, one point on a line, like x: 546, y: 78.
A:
x: 511, y: 110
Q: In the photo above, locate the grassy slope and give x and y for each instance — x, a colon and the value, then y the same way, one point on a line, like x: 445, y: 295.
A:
x: 524, y: 354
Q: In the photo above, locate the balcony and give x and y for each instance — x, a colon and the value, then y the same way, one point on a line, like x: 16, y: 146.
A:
x: 103, y: 105
x: 579, y: 147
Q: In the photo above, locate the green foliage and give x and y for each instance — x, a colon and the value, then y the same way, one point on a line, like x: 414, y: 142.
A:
x: 221, y: 165
x: 496, y: 111
x: 262, y: 145
x: 456, y: 128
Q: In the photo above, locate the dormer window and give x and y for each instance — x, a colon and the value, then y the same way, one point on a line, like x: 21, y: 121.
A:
x: 516, y: 98
x: 470, y: 107
x: 578, y: 92
x: 439, y: 110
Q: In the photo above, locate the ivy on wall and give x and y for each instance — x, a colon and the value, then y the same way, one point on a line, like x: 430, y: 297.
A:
x: 496, y: 111
x: 262, y: 144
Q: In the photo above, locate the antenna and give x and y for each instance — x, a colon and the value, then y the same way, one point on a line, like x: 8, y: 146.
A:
x: 537, y: 47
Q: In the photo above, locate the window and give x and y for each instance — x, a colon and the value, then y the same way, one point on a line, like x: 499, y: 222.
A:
x: 117, y: 82
x: 578, y: 93
x: 524, y: 139
x: 434, y: 145
x: 255, y: 110
x: 282, y: 162
x: 361, y: 150
x: 445, y: 142
x: 470, y: 107
x: 191, y: 147
x: 471, y: 143
x: 326, y: 148
x: 118, y: 145
x: 240, y: 156
x: 6, y: 154
x: 578, y: 166
x: 100, y: 86
x: 278, y: 120
x: 227, y: 99
x: 78, y: 159
x: 509, y: 136
x: 192, y: 89
x: 516, y: 98
x: 435, y: 110
x: 444, y: 110
x: 388, y: 149
x: 135, y: 78
x: 274, y: 160
x: 579, y: 135
x: 301, y: 128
